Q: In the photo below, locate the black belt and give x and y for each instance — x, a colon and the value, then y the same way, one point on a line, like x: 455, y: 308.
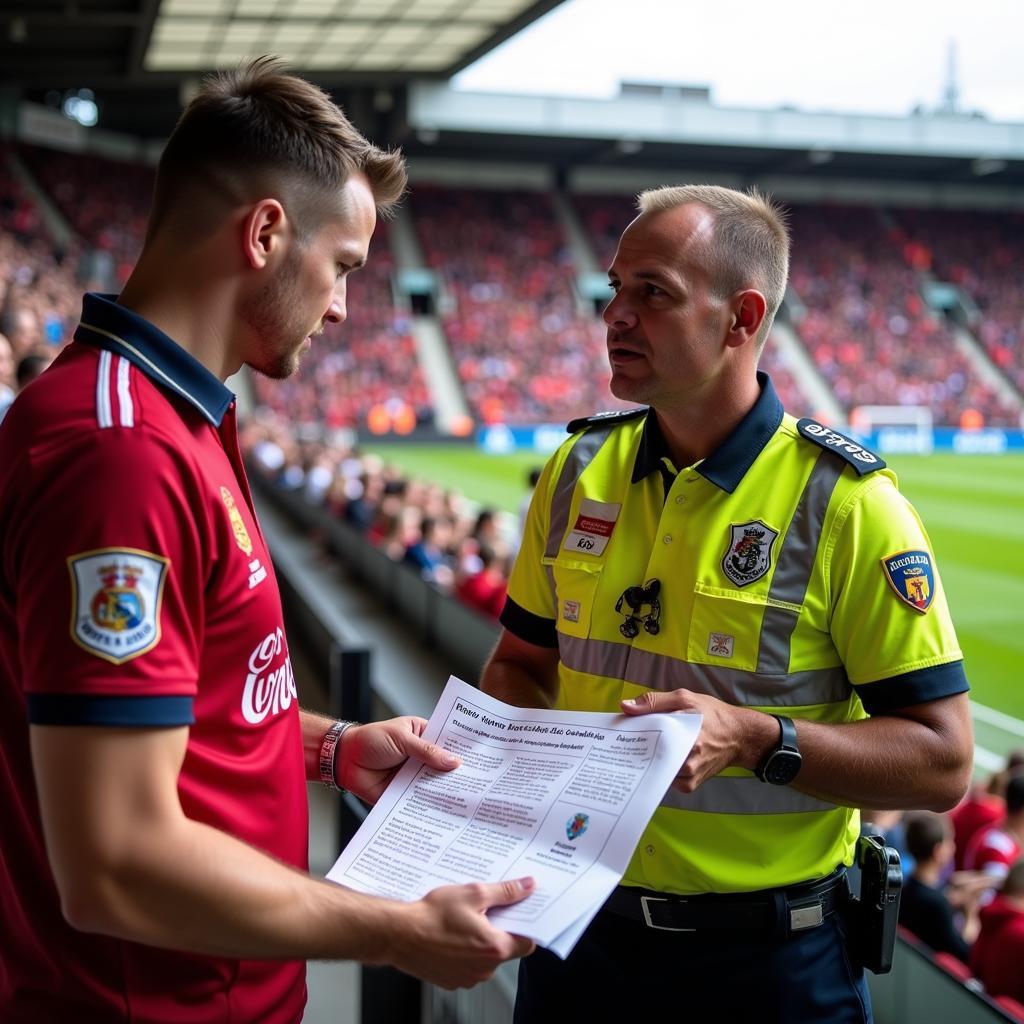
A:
x: 790, y: 909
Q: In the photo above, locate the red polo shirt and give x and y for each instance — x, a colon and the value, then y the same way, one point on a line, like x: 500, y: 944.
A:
x: 136, y: 590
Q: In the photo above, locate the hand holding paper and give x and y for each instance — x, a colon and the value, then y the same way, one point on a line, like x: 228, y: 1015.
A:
x: 560, y: 796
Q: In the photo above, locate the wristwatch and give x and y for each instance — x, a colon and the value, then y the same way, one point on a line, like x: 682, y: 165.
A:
x: 782, y: 764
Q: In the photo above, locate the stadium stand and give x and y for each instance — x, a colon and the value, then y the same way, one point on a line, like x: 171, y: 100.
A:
x: 523, y: 351
x: 105, y: 201
x: 867, y: 326
x: 981, y: 253
x: 363, y: 373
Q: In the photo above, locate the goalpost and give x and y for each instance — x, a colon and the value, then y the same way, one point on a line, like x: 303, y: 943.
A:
x: 895, y: 428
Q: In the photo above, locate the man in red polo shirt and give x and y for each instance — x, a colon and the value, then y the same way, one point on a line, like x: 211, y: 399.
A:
x: 153, y: 758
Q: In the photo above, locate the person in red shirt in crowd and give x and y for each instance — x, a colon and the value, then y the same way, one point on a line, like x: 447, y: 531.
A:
x: 153, y: 861
x: 485, y: 590
x: 994, y: 849
x: 982, y: 807
x: 997, y: 958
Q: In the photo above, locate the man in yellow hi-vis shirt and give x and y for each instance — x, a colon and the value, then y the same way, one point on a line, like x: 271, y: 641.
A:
x: 709, y: 552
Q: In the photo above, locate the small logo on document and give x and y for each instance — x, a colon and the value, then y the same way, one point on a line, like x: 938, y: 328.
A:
x: 577, y: 825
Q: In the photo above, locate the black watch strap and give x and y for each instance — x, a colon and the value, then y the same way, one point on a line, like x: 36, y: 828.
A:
x: 782, y: 764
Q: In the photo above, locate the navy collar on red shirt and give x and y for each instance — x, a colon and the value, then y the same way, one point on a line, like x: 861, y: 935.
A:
x: 726, y: 466
x: 107, y: 325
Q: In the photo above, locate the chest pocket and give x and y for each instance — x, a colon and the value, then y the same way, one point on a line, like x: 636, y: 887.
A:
x: 574, y: 585
x: 726, y: 626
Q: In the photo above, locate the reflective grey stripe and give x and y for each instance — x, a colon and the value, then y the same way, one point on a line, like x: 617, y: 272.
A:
x: 660, y: 672
x: 793, y: 570
x: 739, y: 794
x: 581, y: 455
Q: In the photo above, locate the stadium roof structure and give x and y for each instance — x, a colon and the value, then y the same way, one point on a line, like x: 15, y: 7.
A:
x: 134, y: 54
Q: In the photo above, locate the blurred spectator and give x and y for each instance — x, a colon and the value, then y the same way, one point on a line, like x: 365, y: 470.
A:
x: 982, y: 807
x: 485, y: 589
x: 925, y: 909
x: 31, y: 366
x: 533, y: 478
x: 7, y: 376
x: 993, y: 849
x: 427, y: 552
x: 997, y: 959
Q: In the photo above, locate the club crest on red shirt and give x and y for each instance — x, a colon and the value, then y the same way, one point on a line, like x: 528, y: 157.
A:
x: 115, y: 601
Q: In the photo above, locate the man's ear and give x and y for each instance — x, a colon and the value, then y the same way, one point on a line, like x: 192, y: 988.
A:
x: 263, y: 232
x: 748, y: 312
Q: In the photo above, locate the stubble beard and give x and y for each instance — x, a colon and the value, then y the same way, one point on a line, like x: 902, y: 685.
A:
x: 272, y: 316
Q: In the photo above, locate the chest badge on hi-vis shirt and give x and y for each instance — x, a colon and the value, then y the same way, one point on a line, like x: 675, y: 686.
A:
x: 115, y: 601
x: 593, y: 528
x: 749, y: 555
x: 911, y: 576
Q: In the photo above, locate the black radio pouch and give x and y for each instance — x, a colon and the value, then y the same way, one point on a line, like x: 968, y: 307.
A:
x: 874, y: 916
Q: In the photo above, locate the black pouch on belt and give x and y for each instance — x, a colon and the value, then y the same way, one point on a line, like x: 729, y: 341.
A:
x: 873, y: 917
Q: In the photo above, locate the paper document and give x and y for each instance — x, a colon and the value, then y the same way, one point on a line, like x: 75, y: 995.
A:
x: 559, y: 795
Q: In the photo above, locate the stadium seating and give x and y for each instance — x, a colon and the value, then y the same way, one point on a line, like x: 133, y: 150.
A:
x: 982, y: 254
x: 360, y: 373
x: 523, y: 351
x: 867, y: 327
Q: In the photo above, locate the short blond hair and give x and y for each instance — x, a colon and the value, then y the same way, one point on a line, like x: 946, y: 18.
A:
x: 749, y: 247
x: 259, y: 125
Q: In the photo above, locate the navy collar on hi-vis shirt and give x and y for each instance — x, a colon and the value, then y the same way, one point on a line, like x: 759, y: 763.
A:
x: 726, y: 466
x: 107, y: 325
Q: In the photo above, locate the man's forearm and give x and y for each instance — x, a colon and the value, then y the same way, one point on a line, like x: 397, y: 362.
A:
x: 886, y: 762
x: 188, y: 886
x: 512, y: 683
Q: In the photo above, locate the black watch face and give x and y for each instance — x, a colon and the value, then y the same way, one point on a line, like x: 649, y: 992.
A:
x: 782, y: 767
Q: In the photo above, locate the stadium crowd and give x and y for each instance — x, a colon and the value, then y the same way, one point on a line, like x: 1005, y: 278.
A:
x: 523, y: 350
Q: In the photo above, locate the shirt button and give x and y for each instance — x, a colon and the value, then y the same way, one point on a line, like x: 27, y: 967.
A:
x: 679, y: 499
x: 667, y: 539
x: 649, y: 850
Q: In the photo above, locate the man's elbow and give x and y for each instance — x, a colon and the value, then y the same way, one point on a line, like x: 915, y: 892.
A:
x: 951, y: 780
x: 93, y: 901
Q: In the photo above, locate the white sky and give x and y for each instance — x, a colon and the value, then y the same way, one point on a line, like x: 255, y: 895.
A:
x: 875, y: 56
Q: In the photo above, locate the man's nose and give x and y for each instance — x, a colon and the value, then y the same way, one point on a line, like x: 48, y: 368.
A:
x: 337, y: 311
x: 618, y: 313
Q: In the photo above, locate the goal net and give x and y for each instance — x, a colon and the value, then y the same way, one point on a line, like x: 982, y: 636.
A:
x: 894, y: 428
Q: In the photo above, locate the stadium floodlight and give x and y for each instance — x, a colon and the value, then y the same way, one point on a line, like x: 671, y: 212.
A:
x: 987, y: 165
x: 81, y: 106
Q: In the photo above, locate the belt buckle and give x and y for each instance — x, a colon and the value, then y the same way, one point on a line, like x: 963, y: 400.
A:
x: 644, y: 900
x: 809, y: 915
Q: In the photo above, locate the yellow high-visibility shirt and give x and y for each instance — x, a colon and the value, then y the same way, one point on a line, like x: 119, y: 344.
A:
x: 793, y: 577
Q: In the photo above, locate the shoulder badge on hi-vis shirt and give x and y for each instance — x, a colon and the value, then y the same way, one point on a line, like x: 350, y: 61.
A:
x: 856, y: 455
x: 612, y: 416
x: 593, y: 527
x: 115, y: 601
x: 911, y: 575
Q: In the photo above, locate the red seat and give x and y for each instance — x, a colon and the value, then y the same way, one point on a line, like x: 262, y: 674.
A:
x: 1010, y: 1005
x: 952, y: 965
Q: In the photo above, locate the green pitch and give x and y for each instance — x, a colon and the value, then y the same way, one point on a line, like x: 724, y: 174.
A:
x: 973, y: 506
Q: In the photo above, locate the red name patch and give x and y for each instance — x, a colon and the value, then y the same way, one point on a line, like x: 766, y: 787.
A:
x: 601, y: 527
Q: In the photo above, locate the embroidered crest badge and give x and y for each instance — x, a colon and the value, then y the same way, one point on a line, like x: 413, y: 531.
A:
x: 115, y: 601
x: 242, y: 538
x: 749, y: 555
x: 912, y: 577
x: 577, y: 825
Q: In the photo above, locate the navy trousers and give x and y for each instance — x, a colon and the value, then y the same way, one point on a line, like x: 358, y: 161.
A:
x: 621, y: 968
